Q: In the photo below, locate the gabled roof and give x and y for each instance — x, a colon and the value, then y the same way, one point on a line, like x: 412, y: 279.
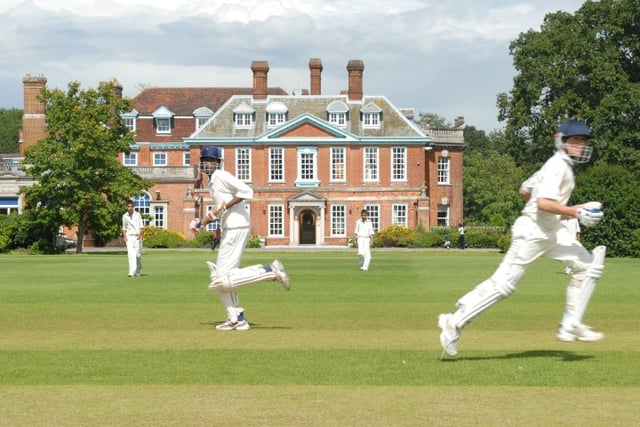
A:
x: 183, y: 101
x: 308, y: 119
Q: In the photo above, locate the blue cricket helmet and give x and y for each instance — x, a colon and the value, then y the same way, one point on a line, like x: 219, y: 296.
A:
x: 211, y: 152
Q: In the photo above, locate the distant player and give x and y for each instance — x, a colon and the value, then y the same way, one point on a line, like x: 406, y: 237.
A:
x: 364, y: 234
x: 132, y: 226
x: 538, y: 232
x: 228, y: 194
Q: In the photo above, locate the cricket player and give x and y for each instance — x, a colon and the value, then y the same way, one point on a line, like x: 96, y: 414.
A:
x: 538, y: 232
x: 229, y: 194
x: 364, y: 234
x: 132, y: 226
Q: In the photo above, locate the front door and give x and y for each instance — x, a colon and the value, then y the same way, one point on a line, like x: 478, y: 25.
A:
x: 307, y: 228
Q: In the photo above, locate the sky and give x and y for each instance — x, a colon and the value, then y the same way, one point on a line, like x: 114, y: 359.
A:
x: 448, y: 57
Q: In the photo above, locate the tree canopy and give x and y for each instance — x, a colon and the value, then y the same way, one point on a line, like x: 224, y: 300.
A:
x: 10, y: 124
x: 584, y: 66
x: 80, y: 182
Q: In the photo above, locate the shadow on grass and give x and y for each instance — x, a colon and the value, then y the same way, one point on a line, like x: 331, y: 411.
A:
x: 253, y: 325
x: 565, y: 356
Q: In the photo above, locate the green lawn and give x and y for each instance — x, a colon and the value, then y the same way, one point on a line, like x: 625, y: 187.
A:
x: 83, y: 344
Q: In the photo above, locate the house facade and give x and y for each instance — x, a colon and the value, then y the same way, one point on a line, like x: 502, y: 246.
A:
x: 314, y: 160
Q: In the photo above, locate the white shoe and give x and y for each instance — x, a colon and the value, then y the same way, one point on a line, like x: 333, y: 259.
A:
x: 281, y: 276
x: 579, y: 332
x: 449, y: 335
x: 240, y: 325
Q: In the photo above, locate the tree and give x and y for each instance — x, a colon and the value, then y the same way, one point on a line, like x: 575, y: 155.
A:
x: 491, y: 182
x: 619, y: 227
x: 10, y: 124
x: 80, y: 182
x: 584, y: 66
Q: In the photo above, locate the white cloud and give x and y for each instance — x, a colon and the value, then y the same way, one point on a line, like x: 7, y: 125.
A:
x: 450, y: 58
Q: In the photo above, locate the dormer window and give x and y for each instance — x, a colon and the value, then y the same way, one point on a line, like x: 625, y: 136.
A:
x: 338, y: 114
x: 243, y: 116
x: 371, y: 116
x: 129, y: 120
x: 202, y: 115
x: 162, y: 119
x: 276, y: 114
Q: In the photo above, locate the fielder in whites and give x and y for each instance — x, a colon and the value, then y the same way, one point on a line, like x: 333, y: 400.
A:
x: 364, y: 234
x: 229, y: 194
x: 538, y: 232
x: 132, y: 234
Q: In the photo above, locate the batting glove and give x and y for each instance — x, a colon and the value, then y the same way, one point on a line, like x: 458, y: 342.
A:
x: 590, y: 217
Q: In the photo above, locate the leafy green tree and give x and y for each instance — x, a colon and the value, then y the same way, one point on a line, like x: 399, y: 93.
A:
x: 619, y: 228
x: 491, y: 183
x: 583, y: 66
x: 80, y: 182
x: 10, y: 124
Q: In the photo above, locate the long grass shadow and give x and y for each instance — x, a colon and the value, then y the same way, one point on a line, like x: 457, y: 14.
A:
x: 565, y: 356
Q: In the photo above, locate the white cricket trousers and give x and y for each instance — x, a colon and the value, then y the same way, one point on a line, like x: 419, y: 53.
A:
x: 134, y: 254
x: 232, y: 243
x: 364, y: 252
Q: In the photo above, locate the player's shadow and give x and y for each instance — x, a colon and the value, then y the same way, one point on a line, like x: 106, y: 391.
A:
x: 253, y: 325
x: 565, y: 356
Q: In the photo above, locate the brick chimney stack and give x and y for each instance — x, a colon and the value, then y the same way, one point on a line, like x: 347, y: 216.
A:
x: 315, y: 68
x: 33, y: 118
x: 117, y: 87
x: 260, y: 70
x: 355, y: 68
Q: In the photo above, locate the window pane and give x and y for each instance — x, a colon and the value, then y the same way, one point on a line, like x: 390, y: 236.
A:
x: 276, y: 220
x: 398, y: 164
x: 338, y: 220
x: 399, y: 215
x: 276, y: 164
x: 443, y: 170
x: 243, y: 164
x: 338, y: 164
x: 371, y: 164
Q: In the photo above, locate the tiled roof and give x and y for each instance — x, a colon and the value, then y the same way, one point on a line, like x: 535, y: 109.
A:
x: 183, y: 101
x: 394, y: 124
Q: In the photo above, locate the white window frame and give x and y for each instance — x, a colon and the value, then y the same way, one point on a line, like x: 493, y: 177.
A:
x: 398, y: 164
x: 130, y: 123
x: 276, y: 164
x: 243, y: 120
x: 338, y: 220
x: 130, y: 159
x: 444, y: 170
x: 276, y: 119
x: 443, y: 216
x: 371, y: 120
x: 160, y: 158
x: 243, y: 164
x: 338, y: 119
x: 159, y: 215
x: 307, y: 167
x: 370, y: 164
x: 400, y: 214
x: 338, y: 172
x: 276, y: 221
x: 163, y: 125
x: 186, y: 158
